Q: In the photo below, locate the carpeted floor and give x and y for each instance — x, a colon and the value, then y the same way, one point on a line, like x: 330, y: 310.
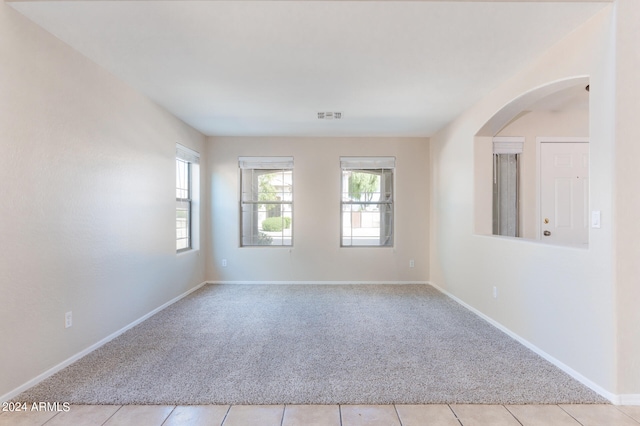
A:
x: 312, y: 344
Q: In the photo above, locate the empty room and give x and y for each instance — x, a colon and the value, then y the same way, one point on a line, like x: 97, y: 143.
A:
x: 317, y: 212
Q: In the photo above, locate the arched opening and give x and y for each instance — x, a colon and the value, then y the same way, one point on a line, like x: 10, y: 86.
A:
x: 531, y: 166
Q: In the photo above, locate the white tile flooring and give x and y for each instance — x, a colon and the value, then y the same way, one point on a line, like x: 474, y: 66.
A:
x: 331, y: 415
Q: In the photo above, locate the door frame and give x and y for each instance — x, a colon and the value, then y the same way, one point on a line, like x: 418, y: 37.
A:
x: 539, y: 141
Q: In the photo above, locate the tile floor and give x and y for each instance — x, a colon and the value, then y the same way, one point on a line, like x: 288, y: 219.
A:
x: 331, y: 415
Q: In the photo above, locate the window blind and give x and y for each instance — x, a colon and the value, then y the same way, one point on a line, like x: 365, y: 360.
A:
x: 187, y: 154
x: 508, y: 145
x: 363, y: 163
x: 265, y: 163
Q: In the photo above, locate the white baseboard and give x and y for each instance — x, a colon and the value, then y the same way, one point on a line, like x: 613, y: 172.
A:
x: 317, y: 282
x: 615, y: 399
x: 628, y: 399
x: 12, y: 394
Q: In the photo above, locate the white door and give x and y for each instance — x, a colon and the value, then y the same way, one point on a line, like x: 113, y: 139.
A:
x: 564, y: 192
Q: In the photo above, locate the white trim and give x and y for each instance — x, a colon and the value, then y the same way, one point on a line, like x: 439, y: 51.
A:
x: 562, y: 139
x: 540, y: 140
x: 628, y: 399
x: 315, y: 282
x: 17, y: 391
x: 615, y: 399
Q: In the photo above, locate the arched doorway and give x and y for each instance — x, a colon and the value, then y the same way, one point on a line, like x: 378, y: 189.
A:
x: 511, y: 160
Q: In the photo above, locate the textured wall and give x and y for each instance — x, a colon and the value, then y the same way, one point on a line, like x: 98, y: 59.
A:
x: 316, y: 254
x: 87, y: 178
x: 560, y: 299
x: 628, y: 195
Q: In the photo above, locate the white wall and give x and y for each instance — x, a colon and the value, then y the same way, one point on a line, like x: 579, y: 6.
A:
x: 316, y: 254
x: 87, y: 177
x: 560, y: 299
x: 627, y: 196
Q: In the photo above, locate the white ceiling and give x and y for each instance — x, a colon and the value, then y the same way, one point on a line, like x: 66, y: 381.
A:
x: 393, y: 68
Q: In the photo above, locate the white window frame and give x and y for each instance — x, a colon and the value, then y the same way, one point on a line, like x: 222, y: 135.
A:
x: 385, y: 166
x: 192, y: 160
x: 249, y: 207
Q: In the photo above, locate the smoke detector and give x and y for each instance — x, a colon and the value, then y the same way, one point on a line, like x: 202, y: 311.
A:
x: 329, y: 115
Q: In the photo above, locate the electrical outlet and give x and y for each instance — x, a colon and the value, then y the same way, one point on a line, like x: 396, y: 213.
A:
x: 495, y: 292
x: 224, y: 263
x: 68, y: 319
x: 412, y: 263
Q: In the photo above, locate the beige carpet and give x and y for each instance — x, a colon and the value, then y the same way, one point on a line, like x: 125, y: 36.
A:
x: 309, y: 344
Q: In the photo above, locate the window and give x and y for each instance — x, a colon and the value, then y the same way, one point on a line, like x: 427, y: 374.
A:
x: 367, y: 201
x: 266, y: 201
x: 186, y: 168
x: 506, y: 177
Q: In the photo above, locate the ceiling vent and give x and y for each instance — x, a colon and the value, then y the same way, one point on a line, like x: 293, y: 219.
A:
x: 329, y: 115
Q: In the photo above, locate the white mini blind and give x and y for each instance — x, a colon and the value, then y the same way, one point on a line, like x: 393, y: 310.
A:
x: 187, y: 154
x: 360, y: 163
x: 265, y: 163
x: 508, y: 145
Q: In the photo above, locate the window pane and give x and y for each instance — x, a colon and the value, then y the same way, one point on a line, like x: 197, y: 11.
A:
x: 270, y: 185
x: 187, y: 172
x: 183, y: 226
x: 266, y: 207
x: 367, y: 207
x: 183, y: 204
x: 370, y: 226
x: 264, y: 225
x: 359, y: 185
x: 182, y: 179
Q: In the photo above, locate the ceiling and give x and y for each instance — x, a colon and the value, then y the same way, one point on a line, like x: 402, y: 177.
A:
x: 242, y: 68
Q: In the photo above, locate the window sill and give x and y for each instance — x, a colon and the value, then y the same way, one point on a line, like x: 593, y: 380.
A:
x: 185, y: 252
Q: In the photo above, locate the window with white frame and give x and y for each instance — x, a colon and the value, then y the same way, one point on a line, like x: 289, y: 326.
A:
x: 367, y: 201
x: 266, y: 201
x: 186, y: 169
